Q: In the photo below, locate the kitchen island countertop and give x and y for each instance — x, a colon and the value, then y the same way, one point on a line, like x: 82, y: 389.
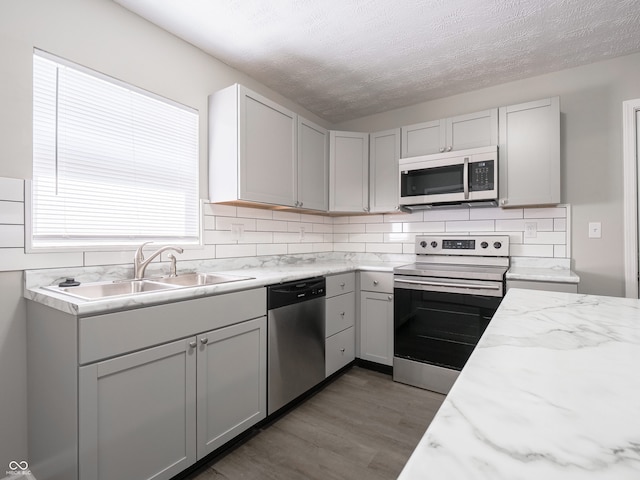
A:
x: 552, y: 391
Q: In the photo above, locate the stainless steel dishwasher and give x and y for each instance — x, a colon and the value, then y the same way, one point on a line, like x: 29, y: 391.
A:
x: 296, y: 339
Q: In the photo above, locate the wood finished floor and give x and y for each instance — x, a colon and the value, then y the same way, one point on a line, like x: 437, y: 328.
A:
x: 361, y: 426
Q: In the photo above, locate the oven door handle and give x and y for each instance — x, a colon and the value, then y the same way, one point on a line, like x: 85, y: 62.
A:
x: 446, y: 284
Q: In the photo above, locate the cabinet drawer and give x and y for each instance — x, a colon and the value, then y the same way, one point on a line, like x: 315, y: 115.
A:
x: 340, y: 350
x: 340, y: 313
x: 341, y: 283
x: 376, y: 282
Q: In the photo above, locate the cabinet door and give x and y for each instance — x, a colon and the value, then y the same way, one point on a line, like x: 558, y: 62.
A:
x: 313, y: 166
x: 232, y: 382
x: 384, y: 154
x: 423, y: 138
x: 267, y: 150
x: 479, y: 129
x: 376, y: 327
x: 348, y: 172
x: 529, y: 157
x: 137, y: 414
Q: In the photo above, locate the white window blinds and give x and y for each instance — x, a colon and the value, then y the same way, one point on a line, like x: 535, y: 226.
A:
x: 111, y: 164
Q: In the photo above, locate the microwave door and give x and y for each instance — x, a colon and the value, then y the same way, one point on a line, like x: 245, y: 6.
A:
x: 431, y: 184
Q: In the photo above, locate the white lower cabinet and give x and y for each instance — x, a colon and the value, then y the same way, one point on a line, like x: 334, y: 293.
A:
x: 137, y: 414
x: 340, y: 315
x: 376, y: 317
x: 232, y: 382
x: 153, y: 413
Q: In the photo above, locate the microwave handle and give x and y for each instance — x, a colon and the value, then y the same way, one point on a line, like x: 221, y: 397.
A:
x: 465, y: 178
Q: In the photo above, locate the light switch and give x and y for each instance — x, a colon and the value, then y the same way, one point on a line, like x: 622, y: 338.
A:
x: 595, y: 230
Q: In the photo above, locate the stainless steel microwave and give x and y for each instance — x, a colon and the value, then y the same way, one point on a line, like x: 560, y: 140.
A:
x: 451, y: 177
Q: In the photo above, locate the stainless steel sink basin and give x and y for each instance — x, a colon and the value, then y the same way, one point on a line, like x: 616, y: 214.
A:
x: 95, y: 291
x: 197, y: 279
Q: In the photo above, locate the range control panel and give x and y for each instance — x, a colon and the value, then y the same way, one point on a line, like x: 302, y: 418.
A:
x: 478, y: 245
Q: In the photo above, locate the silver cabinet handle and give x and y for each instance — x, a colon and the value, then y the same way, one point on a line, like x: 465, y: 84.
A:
x: 390, y: 298
x: 375, y: 282
x: 301, y: 203
x: 342, y: 350
x: 204, y: 340
x: 193, y: 344
x: 441, y: 149
x: 450, y: 148
x: 342, y: 284
x: 342, y: 314
x: 504, y: 201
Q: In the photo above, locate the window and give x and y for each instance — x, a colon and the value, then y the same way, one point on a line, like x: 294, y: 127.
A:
x: 112, y: 164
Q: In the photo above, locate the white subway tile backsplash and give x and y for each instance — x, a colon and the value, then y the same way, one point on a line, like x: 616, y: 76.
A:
x: 196, y: 253
x: 424, y: 227
x: 272, y: 249
x: 350, y: 228
x: 322, y: 228
x: 209, y: 222
x: 404, y: 217
x: 547, y: 212
x: 399, y: 237
x: 383, y: 248
x: 262, y: 213
x: 349, y: 247
x: 255, y: 237
x: 494, y: 213
x: 215, y: 237
x: 339, y: 220
x: 297, y: 226
x: 471, y: 225
x: 279, y: 237
x: 12, y: 189
x: 383, y: 227
x: 306, y: 217
x: 227, y: 223
x: 271, y: 226
x: 341, y: 237
x: 220, y: 210
x: 446, y: 215
x: 531, y: 250
x: 111, y: 258
x: 286, y: 216
x: 11, y: 236
x: 366, y: 237
x: 17, y: 259
x: 11, y: 213
x: 560, y: 224
x: 322, y: 247
x: 297, y: 248
x: 559, y: 251
x: 366, y: 219
x: 542, y: 224
x: 229, y: 251
x: 546, y: 238
x: 311, y: 237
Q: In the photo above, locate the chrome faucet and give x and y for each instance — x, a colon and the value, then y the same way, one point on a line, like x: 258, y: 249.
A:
x: 139, y: 262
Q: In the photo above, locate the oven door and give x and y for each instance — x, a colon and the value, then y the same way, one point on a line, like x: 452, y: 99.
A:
x: 440, y: 328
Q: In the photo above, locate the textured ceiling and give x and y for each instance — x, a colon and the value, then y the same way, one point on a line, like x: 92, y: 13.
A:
x: 344, y: 59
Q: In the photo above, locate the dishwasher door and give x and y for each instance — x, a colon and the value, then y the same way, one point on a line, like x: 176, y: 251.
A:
x: 296, y: 358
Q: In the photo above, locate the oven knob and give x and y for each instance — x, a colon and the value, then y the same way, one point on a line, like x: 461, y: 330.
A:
x: 484, y: 244
x: 434, y: 244
x: 423, y: 244
x: 497, y: 245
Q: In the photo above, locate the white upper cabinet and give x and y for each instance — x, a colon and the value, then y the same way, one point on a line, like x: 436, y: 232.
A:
x: 479, y: 129
x: 252, y: 148
x: 384, y: 153
x: 529, y: 153
x: 348, y: 172
x: 313, y: 166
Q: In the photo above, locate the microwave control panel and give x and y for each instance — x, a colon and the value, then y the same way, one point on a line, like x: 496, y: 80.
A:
x: 481, y: 175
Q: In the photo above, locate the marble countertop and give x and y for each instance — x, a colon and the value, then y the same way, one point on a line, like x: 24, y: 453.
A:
x: 262, y: 275
x: 542, y: 270
x: 552, y: 391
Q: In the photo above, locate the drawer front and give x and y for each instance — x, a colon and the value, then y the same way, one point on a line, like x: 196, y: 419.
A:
x: 340, y: 350
x: 342, y: 283
x: 376, y: 282
x: 340, y: 313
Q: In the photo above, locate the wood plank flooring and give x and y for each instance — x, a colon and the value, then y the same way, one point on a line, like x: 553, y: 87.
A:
x: 361, y: 426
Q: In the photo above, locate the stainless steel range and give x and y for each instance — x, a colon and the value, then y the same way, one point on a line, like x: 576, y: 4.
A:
x: 443, y: 304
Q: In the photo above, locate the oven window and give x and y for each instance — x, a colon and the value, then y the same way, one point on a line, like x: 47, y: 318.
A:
x: 432, y: 181
x: 439, y: 328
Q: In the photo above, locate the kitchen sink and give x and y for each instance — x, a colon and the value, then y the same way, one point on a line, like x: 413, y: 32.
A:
x: 197, y: 279
x: 95, y: 291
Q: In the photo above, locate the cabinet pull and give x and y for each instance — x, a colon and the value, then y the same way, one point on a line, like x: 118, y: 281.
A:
x: 389, y: 298
x: 342, y: 350
x: 342, y: 284
x: 375, y: 282
x: 204, y: 340
x: 342, y: 314
x: 193, y: 344
x: 449, y: 149
x: 441, y: 149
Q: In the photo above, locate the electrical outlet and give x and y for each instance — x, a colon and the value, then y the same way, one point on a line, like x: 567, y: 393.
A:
x: 530, y: 229
x: 237, y: 229
x: 595, y: 230
x: 302, y: 231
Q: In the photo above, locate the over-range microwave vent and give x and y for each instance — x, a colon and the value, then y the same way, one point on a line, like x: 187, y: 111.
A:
x: 448, y: 206
x: 449, y: 180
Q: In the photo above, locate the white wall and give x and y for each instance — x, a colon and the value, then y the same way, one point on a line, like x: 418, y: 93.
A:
x: 591, y: 126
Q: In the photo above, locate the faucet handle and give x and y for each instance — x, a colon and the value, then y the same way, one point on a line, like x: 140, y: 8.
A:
x: 139, y: 255
x: 172, y: 268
